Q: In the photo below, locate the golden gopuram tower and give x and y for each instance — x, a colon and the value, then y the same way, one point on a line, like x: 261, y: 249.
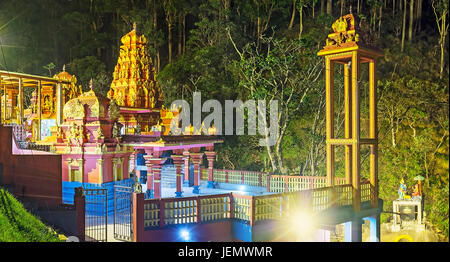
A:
x: 135, y: 89
x: 346, y: 46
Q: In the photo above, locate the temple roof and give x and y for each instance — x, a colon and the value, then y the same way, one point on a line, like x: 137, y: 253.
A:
x: 64, y: 75
x: 89, y: 104
x: 132, y: 38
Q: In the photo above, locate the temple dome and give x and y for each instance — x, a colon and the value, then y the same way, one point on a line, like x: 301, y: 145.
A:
x: 133, y: 38
x: 88, y: 105
x: 64, y: 75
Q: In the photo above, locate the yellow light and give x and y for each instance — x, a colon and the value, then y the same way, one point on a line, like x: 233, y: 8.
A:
x: 300, y: 225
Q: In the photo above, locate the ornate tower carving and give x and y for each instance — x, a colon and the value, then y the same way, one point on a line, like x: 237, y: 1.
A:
x: 134, y: 82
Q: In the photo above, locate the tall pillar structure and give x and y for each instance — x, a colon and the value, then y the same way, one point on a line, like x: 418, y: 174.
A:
x: 149, y: 193
x: 186, y: 167
x: 59, y: 104
x: 38, y: 136
x: 156, y: 165
x: 211, y: 156
x: 346, y: 47
x: 20, y: 102
x: 178, y: 162
x: 196, y: 159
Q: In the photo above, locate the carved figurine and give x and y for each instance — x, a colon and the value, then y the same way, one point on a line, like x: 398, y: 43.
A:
x: 402, y: 191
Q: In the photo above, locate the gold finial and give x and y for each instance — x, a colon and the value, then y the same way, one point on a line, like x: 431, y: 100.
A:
x: 64, y: 68
x: 91, y: 84
x: 350, y: 9
x: 134, y: 26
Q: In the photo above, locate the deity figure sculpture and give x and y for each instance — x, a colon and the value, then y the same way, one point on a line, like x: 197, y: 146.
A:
x: 402, y: 191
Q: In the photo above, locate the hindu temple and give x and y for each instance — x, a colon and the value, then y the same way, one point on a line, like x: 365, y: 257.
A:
x: 116, y: 155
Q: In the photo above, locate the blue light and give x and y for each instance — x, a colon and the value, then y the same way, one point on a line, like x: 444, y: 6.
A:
x: 185, y: 235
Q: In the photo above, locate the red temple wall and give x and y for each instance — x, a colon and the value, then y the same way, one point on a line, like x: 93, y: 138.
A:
x: 37, y: 177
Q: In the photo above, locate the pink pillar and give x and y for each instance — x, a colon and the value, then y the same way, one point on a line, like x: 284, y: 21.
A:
x: 186, y: 165
x: 156, y: 170
x: 133, y: 162
x: 196, y: 159
x: 148, y: 163
x: 138, y: 217
x: 211, y: 156
x: 178, y: 161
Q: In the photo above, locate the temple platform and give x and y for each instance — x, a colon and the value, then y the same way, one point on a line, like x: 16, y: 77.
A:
x: 221, y: 188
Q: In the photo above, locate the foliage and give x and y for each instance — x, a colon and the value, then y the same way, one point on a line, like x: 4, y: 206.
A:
x: 412, y: 81
x: 17, y: 225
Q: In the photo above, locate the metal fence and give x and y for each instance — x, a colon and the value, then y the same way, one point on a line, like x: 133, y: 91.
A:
x: 96, y: 214
x: 123, y: 213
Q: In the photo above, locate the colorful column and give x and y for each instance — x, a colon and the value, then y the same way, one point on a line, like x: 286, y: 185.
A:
x: 355, y: 133
x: 1, y: 104
x: 4, y: 100
x: 186, y: 167
x: 20, y: 103
x: 156, y: 170
x: 149, y: 193
x: 132, y: 162
x: 373, y: 162
x: 329, y: 69
x: 348, y: 124
x: 211, y: 156
x: 196, y: 159
x: 38, y: 135
x: 178, y: 162
x: 59, y: 104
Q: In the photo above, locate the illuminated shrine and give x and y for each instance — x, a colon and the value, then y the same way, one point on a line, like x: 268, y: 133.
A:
x: 135, y: 89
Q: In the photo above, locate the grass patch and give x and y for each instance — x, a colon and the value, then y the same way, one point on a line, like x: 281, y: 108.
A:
x: 17, y: 225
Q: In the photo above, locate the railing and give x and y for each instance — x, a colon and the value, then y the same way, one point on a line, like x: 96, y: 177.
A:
x: 366, y: 191
x: 249, y: 209
x: 170, y: 211
x: 274, y: 183
x: 251, y: 178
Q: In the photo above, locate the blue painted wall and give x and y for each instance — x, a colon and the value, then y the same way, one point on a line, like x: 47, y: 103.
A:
x: 93, y: 209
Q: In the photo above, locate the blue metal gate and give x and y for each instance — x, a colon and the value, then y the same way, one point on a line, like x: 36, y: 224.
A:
x: 123, y: 213
x: 96, y: 214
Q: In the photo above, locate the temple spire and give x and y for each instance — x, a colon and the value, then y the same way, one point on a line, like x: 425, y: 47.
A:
x: 134, y: 26
x: 91, y: 85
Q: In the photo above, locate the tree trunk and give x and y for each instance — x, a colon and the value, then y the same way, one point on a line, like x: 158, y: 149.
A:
x: 443, y: 35
x: 180, y: 34
x: 313, y: 9
x: 342, y: 7
x: 155, y: 43
x: 301, y: 22
x: 169, y: 27
x: 411, y: 19
x: 379, y: 21
x: 357, y: 7
x: 322, y: 6
x: 419, y: 15
x: 403, y: 27
x: 393, y: 8
x: 330, y: 7
x: 184, y: 33
x: 258, y: 30
x: 293, y: 14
